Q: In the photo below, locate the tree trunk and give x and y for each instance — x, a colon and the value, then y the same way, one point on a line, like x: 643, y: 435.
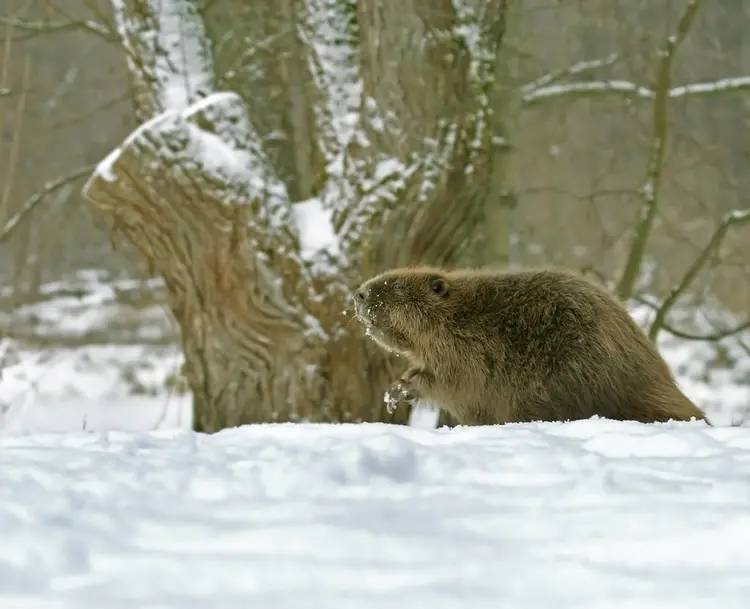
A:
x: 262, y: 318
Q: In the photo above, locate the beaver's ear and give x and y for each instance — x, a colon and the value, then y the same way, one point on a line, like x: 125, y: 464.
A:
x: 439, y: 286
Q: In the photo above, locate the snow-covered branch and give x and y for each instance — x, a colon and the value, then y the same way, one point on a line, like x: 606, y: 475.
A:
x: 361, y: 180
x: 482, y: 25
x: 190, y: 192
x: 543, y: 82
x: 190, y: 127
x: 400, y: 96
x: 533, y: 95
x: 377, y: 134
x: 723, y: 85
x: 210, y: 150
x: 167, y: 51
x: 328, y: 29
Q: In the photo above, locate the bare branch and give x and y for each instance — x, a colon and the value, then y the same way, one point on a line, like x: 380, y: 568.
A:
x: 732, y: 219
x: 744, y: 346
x: 32, y: 202
x: 36, y: 28
x: 70, y: 340
x: 80, y: 117
x: 15, y: 146
x: 658, y: 146
x: 713, y: 337
x: 717, y: 336
x: 578, y: 68
x: 5, y: 59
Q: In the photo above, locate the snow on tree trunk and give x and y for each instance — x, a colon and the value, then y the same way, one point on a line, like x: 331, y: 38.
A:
x: 167, y: 51
x: 399, y: 113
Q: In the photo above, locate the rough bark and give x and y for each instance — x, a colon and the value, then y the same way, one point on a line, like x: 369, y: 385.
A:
x: 433, y: 88
x: 257, y: 348
x: 263, y: 326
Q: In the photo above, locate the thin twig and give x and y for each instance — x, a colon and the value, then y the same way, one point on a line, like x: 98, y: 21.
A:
x: 717, y: 336
x: 38, y: 197
x: 735, y: 218
x: 7, y: 50
x: 657, y: 151
x: 15, y: 146
x: 36, y: 28
x: 5, y: 74
x: 714, y: 337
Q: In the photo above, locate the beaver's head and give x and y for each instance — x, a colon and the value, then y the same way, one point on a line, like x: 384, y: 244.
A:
x: 402, y: 308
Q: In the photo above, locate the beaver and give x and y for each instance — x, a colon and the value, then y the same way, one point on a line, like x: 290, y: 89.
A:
x: 539, y: 344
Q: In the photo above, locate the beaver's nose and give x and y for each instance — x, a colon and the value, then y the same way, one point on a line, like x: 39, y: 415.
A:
x: 360, y: 295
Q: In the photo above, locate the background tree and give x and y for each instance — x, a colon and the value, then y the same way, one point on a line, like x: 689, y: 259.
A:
x: 386, y: 109
x: 361, y: 135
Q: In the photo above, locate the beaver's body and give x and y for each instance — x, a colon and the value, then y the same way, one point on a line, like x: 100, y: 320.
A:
x: 500, y: 347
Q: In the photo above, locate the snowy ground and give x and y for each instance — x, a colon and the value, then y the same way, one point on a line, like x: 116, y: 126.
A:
x: 586, y: 515
x: 592, y: 514
x: 115, y: 363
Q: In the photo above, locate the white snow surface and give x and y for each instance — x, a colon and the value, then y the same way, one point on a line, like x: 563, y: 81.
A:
x: 587, y: 515
x: 107, y: 499
x: 315, y: 228
x: 113, y: 370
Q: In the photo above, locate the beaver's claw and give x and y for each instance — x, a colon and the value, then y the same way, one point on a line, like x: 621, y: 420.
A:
x: 400, y: 391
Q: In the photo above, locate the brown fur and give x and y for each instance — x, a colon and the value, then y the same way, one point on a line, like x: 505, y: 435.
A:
x: 499, y: 347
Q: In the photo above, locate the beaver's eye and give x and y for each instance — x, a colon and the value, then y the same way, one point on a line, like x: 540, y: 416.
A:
x: 439, y: 287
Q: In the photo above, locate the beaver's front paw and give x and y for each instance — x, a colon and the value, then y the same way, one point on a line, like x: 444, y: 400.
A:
x: 400, y: 391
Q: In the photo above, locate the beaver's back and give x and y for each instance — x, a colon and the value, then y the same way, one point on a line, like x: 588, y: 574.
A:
x: 551, y: 345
